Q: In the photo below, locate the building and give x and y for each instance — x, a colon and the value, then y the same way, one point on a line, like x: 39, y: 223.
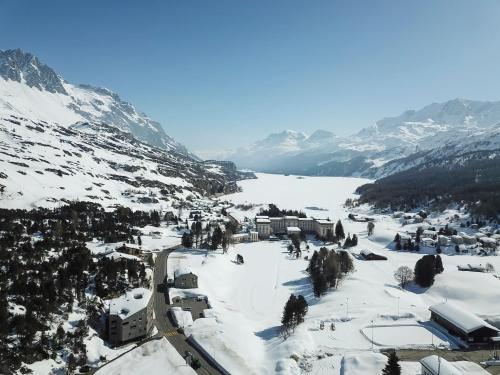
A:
x: 368, y: 255
x: 279, y: 225
x: 293, y: 231
x: 263, y: 225
x: 434, y: 365
x: 234, y: 221
x: 464, y: 324
x: 130, y: 249
x: 130, y: 316
x: 253, y: 236
x: 185, y: 279
x: 321, y: 227
x: 240, y: 237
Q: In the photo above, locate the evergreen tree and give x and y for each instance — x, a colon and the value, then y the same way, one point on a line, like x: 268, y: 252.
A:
x: 187, y: 240
x: 319, y: 284
x: 339, y: 230
x: 392, y: 367
x: 438, y: 265
x: 425, y: 271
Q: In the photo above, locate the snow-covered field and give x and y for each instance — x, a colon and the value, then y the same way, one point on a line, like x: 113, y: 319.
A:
x: 247, y: 300
x: 154, y: 357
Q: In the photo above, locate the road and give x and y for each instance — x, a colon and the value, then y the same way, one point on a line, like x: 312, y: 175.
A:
x: 163, y: 320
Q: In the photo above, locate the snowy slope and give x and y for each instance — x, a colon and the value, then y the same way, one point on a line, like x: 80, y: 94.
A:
x: 153, y: 357
x: 247, y: 300
x: 31, y: 88
x: 43, y: 164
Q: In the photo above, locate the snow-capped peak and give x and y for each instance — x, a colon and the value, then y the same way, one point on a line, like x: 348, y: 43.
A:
x: 31, y: 88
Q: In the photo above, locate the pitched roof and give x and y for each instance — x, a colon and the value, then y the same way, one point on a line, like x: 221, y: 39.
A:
x: 439, y: 366
x: 465, y: 320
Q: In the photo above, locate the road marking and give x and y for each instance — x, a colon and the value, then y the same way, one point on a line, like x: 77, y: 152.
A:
x: 170, y: 333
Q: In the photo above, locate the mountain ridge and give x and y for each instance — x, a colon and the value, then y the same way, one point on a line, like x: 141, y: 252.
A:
x: 29, y: 87
x: 386, y: 143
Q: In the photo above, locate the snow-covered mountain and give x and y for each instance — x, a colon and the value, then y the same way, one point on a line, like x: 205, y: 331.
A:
x: 44, y: 164
x: 30, y: 88
x: 381, y: 149
x: 60, y: 142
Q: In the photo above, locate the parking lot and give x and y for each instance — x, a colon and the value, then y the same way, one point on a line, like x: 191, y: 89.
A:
x: 195, y: 305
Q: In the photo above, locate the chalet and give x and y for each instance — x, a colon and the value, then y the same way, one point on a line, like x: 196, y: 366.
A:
x: 488, y: 242
x: 234, y: 220
x: 169, y: 216
x: 456, y: 239
x: 185, y: 279
x: 468, y: 240
x: 368, y: 255
x: 443, y: 240
x: 130, y: 249
x: 130, y: 316
x: 462, y: 323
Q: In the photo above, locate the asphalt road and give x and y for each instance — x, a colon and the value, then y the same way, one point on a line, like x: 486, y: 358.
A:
x: 163, y: 320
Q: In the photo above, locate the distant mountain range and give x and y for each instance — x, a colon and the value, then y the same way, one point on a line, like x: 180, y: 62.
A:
x: 452, y: 129
x: 60, y: 142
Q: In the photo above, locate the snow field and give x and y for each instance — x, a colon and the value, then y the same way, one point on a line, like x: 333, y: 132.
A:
x: 248, y: 299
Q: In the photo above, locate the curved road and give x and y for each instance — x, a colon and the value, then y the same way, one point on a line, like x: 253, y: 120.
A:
x: 163, y: 320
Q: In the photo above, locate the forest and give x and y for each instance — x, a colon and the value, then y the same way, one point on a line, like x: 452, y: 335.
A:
x: 474, y: 183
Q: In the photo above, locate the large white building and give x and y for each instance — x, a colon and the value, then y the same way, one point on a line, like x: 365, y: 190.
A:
x: 130, y: 316
x: 279, y: 225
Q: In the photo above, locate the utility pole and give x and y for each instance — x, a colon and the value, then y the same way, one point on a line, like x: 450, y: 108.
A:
x: 347, y: 310
x: 372, y: 335
x: 398, y: 308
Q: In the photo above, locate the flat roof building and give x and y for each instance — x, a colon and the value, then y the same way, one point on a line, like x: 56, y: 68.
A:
x: 130, y: 316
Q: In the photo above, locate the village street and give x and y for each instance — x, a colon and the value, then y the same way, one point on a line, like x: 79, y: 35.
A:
x: 163, y: 320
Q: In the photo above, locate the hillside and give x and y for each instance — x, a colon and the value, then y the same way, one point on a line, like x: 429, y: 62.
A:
x: 44, y: 163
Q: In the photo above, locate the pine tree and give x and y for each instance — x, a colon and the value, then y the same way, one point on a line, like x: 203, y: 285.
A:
x: 339, y: 230
x: 425, y: 271
x: 392, y: 367
x: 438, y: 264
x: 319, y: 284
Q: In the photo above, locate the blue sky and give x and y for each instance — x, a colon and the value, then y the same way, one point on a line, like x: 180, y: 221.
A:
x: 219, y: 74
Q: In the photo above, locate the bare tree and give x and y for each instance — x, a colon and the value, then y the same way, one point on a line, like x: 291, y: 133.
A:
x: 370, y: 226
x: 403, y: 275
x: 489, y: 267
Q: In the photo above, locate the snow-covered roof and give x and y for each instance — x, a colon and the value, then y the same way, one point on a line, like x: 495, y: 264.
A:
x: 293, y: 229
x: 438, y: 365
x: 366, y: 252
x: 130, y: 303
x: 182, y: 318
x: 465, y: 320
x: 263, y: 221
x: 291, y: 217
x: 305, y: 219
x: 182, y: 270
x: 488, y: 240
x: 323, y: 221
